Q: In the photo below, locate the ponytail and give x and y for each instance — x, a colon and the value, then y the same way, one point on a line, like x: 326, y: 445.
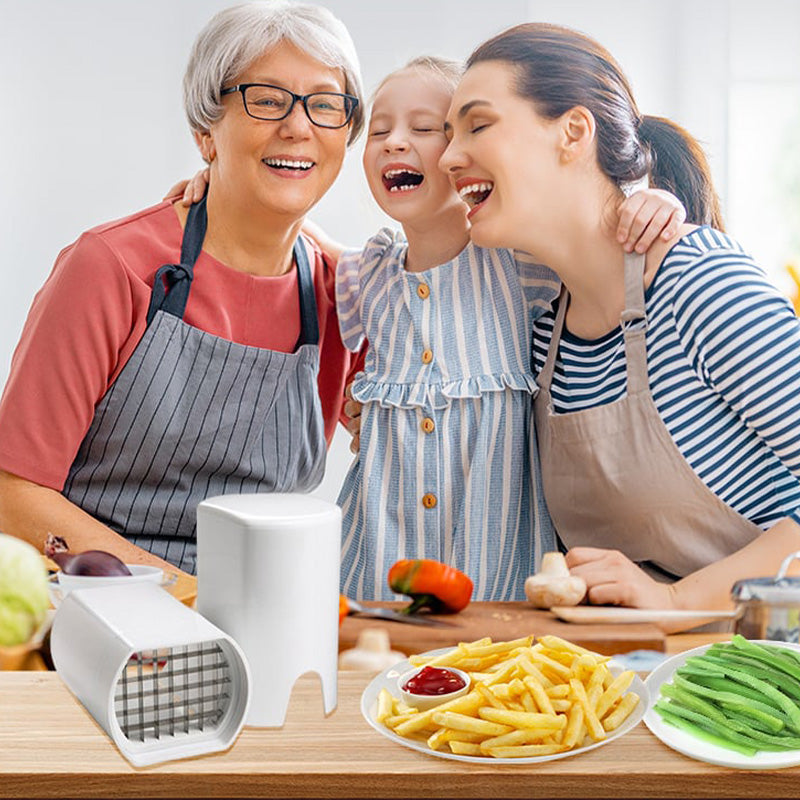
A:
x: 679, y: 165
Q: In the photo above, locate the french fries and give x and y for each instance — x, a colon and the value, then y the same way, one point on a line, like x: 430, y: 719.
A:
x: 525, y: 700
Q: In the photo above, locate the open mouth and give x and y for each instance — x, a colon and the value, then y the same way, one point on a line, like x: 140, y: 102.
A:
x: 285, y: 163
x: 402, y: 180
x: 473, y: 194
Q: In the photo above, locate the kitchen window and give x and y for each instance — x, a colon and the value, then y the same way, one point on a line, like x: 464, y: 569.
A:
x: 764, y: 176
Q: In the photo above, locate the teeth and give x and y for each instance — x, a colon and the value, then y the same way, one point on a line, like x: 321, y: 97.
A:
x: 474, y: 188
x: 283, y: 162
x: 394, y: 173
x: 403, y: 188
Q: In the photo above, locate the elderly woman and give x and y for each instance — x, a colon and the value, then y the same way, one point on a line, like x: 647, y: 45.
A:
x: 182, y: 353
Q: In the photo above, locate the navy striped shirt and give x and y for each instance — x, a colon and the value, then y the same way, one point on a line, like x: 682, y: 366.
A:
x: 723, y: 353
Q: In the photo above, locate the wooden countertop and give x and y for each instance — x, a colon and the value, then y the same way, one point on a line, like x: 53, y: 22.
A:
x: 51, y: 748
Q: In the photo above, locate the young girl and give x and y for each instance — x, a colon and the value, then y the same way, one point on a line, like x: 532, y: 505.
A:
x: 447, y: 466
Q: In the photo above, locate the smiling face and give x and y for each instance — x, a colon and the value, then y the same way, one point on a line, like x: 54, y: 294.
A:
x: 283, y: 166
x: 503, y: 159
x: 405, y: 140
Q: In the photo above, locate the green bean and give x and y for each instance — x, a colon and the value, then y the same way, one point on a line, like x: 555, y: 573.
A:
x: 741, y: 695
x: 767, y: 689
x: 753, y: 707
x: 744, y: 724
x: 781, y: 652
x: 755, y: 719
x: 725, y: 726
x: 723, y: 684
x: 692, y: 701
x: 701, y: 728
x: 777, y: 661
x: 758, y: 669
x: 732, y: 730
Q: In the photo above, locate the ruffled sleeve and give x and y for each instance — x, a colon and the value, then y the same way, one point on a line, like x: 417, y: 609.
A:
x: 354, y: 267
x: 540, y: 284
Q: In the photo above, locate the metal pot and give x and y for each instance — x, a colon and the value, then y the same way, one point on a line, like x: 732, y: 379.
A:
x: 769, y: 608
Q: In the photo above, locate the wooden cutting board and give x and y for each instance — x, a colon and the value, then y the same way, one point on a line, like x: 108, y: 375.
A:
x: 503, y: 621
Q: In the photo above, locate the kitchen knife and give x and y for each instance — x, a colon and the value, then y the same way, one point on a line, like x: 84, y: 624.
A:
x: 356, y: 609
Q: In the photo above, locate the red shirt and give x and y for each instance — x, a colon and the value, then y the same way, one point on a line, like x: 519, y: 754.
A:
x: 87, y: 319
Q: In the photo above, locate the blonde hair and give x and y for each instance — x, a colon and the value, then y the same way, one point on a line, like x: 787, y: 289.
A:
x: 448, y: 70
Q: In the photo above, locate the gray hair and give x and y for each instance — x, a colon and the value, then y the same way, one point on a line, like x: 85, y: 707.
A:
x: 237, y: 36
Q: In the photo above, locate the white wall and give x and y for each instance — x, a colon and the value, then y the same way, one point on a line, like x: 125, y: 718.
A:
x: 91, y: 126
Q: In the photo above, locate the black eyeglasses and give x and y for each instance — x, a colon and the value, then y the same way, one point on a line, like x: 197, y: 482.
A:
x: 325, y: 109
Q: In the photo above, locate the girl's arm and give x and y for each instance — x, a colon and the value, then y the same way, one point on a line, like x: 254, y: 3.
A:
x: 647, y: 215
x: 326, y: 243
x: 192, y: 190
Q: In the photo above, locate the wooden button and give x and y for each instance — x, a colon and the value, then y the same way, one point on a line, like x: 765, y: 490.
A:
x: 427, y: 356
x: 429, y: 500
x: 423, y: 291
x: 428, y: 425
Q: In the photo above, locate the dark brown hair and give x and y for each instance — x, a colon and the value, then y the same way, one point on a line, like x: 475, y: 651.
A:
x: 559, y: 68
x: 680, y: 166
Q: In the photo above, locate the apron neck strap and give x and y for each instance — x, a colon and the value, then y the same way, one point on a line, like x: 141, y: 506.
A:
x: 173, y: 282
x: 309, y: 325
x: 633, y: 321
x: 546, y: 375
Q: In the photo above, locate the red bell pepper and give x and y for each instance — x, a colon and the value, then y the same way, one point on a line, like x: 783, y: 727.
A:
x: 430, y: 584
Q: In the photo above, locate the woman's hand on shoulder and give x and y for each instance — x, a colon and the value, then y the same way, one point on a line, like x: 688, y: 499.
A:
x: 329, y: 246
x: 192, y: 190
x: 352, y: 409
x: 613, y: 579
x: 646, y: 216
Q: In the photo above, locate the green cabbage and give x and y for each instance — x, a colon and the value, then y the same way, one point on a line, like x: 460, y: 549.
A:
x: 24, y: 598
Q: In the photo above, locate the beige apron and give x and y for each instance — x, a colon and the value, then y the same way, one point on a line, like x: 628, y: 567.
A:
x: 613, y: 476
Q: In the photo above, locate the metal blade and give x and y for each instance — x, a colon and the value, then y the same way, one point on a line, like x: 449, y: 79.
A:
x: 396, y: 616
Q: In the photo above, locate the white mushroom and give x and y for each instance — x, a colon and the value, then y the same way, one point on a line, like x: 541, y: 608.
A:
x: 553, y: 585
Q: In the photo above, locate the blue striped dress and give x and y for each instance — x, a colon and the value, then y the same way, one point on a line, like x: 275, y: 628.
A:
x: 723, y: 353
x: 447, y: 467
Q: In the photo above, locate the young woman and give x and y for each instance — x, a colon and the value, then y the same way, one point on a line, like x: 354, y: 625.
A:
x: 669, y: 412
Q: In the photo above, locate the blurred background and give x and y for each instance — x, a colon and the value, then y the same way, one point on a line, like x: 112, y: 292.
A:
x: 92, y: 126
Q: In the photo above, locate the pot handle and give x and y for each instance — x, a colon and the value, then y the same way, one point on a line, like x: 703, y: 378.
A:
x: 785, y: 565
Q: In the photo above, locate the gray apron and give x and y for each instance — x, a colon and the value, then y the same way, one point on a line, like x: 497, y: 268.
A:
x: 192, y: 415
x: 613, y: 476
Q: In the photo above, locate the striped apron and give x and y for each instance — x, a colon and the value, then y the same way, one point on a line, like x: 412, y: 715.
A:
x: 192, y: 415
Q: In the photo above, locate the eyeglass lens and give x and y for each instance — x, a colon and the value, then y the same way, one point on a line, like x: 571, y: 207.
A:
x: 323, y: 108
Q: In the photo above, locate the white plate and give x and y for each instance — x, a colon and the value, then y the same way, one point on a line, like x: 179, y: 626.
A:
x: 696, y: 748
x: 388, y: 680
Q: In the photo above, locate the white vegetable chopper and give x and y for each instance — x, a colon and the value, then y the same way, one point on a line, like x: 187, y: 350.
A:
x: 162, y: 681
x: 268, y: 575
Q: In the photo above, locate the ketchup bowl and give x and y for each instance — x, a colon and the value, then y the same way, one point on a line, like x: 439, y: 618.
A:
x: 428, y: 686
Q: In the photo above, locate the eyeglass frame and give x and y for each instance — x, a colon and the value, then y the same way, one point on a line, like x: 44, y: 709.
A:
x: 351, y: 100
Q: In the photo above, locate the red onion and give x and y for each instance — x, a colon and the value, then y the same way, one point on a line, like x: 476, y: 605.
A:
x: 91, y: 562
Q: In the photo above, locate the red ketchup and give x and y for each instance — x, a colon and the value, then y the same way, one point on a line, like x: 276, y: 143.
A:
x: 433, y: 681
